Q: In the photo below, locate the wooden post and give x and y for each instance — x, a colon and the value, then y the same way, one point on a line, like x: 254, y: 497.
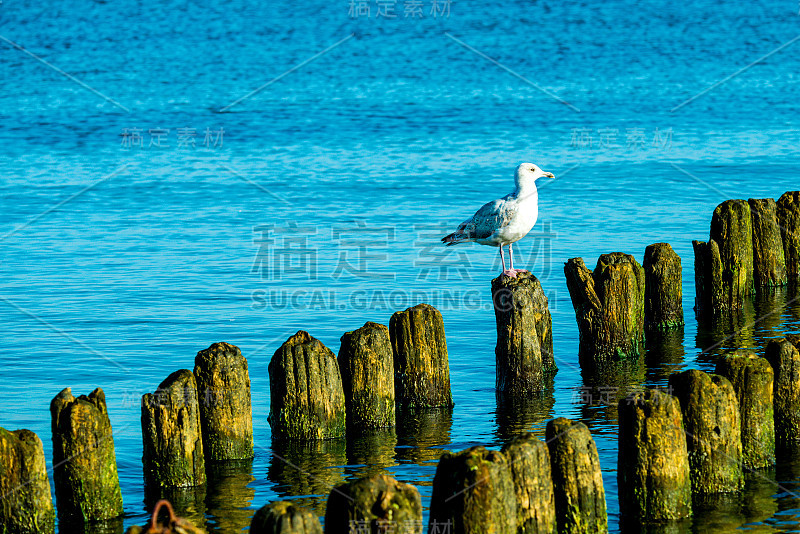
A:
x: 788, y: 213
x: 226, y: 415
x: 663, y: 290
x: 283, y: 517
x: 529, y: 463
x: 374, y: 504
x: 524, y: 350
x: 713, y: 431
x: 785, y: 361
x: 306, y: 394
x: 473, y: 493
x: 367, y: 366
x: 653, y: 464
x: 26, y: 505
x: 85, y: 473
x: 769, y: 264
x: 171, y: 432
x: 609, y: 307
x: 421, y: 368
x: 577, y: 480
x: 752, y: 379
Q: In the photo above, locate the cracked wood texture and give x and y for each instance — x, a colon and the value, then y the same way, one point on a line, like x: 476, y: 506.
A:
x: 284, y: 517
x: 788, y: 212
x: 663, y: 291
x: 529, y: 462
x: 769, y: 265
x: 379, y: 502
x: 785, y: 361
x: 26, y: 506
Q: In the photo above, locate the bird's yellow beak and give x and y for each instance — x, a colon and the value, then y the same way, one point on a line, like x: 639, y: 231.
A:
x: 548, y: 175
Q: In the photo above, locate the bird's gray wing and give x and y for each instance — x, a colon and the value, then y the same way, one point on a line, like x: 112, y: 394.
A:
x: 487, y: 220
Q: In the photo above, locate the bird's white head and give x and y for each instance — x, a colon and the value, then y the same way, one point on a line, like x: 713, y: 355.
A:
x: 527, y: 174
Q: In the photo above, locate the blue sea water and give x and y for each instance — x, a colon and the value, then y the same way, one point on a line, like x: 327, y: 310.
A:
x: 240, y: 171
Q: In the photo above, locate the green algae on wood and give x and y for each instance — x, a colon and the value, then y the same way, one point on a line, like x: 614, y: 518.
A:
x: 752, y: 379
x: 377, y: 503
x: 788, y: 213
x: 421, y: 367
x: 172, y: 434
x: 85, y: 474
x: 473, y: 493
x: 769, y: 264
x: 784, y: 358
x: 306, y: 393
x: 663, y: 290
x: 609, y: 307
x: 529, y: 462
x: 653, y: 465
x: 580, y: 499
x: 226, y: 414
x: 367, y: 366
x: 524, y: 350
x: 284, y: 517
x: 713, y: 432
x: 26, y: 506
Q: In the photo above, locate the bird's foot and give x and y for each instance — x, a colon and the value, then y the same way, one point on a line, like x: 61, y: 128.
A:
x: 512, y: 273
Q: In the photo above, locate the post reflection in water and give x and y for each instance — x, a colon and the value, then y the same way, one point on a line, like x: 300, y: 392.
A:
x: 516, y: 415
x: 769, y: 307
x: 726, y: 512
x: 603, y: 387
x: 371, y: 452
x: 188, y: 503
x: 664, y: 355
x: 422, y: 435
x: 229, y: 495
x: 108, y: 526
x: 725, y: 331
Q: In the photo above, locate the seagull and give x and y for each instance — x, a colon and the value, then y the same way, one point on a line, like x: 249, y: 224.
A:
x: 505, y: 220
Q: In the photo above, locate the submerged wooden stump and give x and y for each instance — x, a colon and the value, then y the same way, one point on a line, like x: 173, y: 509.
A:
x: 663, y: 290
x: 577, y: 480
x: 284, y: 517
x: 171, y: 433
x: 524, y: 350
x: 421, y: 368
x: 769, y: 264
x: 226, y: 415
x: 305, y: 389
x: 473, y: 493
x: 788, y: 213
x: 367, y: 366
x: 609, y: 307
x: 713, y: 432
x: 752, y: 379
x: 529, y: 463
x: 26, y: 505
x: 85, y: 473
x: 653, y: 465
x: 374, y: 504
x: 785, y: 361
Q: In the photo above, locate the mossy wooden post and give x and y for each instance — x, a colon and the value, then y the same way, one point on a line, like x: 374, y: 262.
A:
x: 85, y: 473
x: 305, y: 389
x: 785, y: 361
x: 529, y: 463
x: 226, y: 415
x: 788, y: 213
x: 524, y: 350
x: 752, y: 379
x: 609, y: 307
x: 713, y: 432
x: 367, y: 366
x: 663, y: 290
x: 577, y: 480
x: 26, y: 505
x: 421, y: 368
x: 653, y: 464
x: 473, y: 493
x: 379, y: 503
x: 172, y: 435
x: 769, y: 264
x: 284, y: 517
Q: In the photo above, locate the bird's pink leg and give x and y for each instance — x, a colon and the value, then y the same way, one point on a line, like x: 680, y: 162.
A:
x: 512, y: 272
x: 502, y: 259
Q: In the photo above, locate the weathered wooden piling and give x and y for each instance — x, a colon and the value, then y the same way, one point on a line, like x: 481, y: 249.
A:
x: 284, y: 517
x: 663, y: 290
x: 421, y: 368
x: 577, y: 480
x: 25, y: 503
x: 769, y: 264
x: 785, y: 361
x: 305, y: 388
x: 226, y: 414
x: 788, y: 213
x: 171, y: 433
x: 473, y: 493
x: 609, y: 307
x: 752, y: 378
x: 653, y: 464
x: 529, y: 463
x: 367, y: 366
x: 524, y: 350
x: 713, y: 431
x: 85, y: 467
x: 374, y: 504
